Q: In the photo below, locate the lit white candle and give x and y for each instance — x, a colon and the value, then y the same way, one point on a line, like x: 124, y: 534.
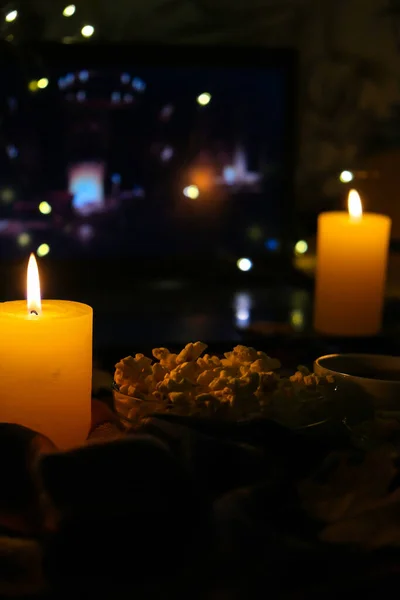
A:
x: 352, y: 252
x: 46, y: 365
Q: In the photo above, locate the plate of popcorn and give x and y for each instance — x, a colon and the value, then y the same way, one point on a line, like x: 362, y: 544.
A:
x: 242, y: 384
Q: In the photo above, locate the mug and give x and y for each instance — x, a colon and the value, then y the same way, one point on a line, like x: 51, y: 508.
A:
x: 370, y: 378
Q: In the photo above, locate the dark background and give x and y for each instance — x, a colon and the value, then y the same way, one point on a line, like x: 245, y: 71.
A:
x: 343, y: 116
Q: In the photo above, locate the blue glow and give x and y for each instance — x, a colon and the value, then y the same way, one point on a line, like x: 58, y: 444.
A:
x: 85, y: 191
x: 83, y: 76
x: 242, y: 309
x: 86, y: 186
x: 115, y: 97
x: 116, y: 178
x: 81, y: 96
x: 229, y: 175
x: 272, y: 245
x: 62, y: 83
x: 69, y: 78
x: 125, y: 78
x: 138, y: 84
x: 12, y: 151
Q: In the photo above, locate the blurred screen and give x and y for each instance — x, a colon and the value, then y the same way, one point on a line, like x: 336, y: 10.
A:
x: 143, y: 161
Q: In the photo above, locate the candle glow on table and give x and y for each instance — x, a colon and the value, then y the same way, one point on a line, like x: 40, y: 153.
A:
x: 352, y: 253
x: 46, y: 365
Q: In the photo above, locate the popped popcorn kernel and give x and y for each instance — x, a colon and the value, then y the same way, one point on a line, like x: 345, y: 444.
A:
x: 191, y: 352
x: 206, y: 377
x: 188, y: 370
x: 297, y: 377
x: 165, y: 357
x: 208, y: 362
x: 158, y: 372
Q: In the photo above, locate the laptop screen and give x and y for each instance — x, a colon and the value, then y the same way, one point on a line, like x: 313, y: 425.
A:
x: 133, y: 157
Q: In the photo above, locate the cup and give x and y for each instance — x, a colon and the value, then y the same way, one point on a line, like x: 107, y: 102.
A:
x: 371, y: 379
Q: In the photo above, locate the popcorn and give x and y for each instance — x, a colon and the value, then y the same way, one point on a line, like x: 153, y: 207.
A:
x: 264, y: 363
x: 131, y: 369
x: 191, y: 352
x: 173, y: 384
x: 165, y: 357
x: 244, y: 382
x: 158, y: 372
x: 187, y: 370
x: 208, y: 362
x: 206, y: 377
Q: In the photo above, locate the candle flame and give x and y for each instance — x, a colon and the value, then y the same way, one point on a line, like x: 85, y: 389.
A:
x: 33, y: 283
x: 354, y: 204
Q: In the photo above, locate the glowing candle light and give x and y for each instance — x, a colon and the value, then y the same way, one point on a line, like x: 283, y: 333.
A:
x: 46, y: 364
x: 352, y: 251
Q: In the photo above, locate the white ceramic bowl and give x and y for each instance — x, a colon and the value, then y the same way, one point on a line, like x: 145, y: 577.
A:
x: 374, y: 378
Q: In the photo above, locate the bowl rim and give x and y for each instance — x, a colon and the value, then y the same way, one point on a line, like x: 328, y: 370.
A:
x: 115, y: 388
x: 391, y: 382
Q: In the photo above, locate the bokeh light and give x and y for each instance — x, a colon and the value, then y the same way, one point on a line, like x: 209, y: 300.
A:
x: 83, y: 76
x: 242, y: 309
x: 69, y: 10
x: 255, y: 233
x: 43, y: 250
x: 166, y: 112
x: 229, y: 175
x: 81, y: 96
x: 203, y: 177
x: 204, y: 99
x: 7, y: 195
x: 85, y: 232
x: 346, y: 176
x: 242, y: 314
x: 272, y: 244
x: 301, y: 247
x: 191, y: 191
x: 43, y: 83
x: 138, y: 192
x: 33, y: 86
x: 12, y: 151
x: 45, y: 208
x: 86, y: 184
x: 23, y: 239
x: 11, y: 16
x: 244, y: 264
x: 138, y: 84
x: 125, y: 78
x: 166, y: 153
x: 87, y: 31
x: 297, y: 319
x: 116, y: 97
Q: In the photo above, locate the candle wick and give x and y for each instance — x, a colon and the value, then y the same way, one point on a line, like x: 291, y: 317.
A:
x: 33, y: 312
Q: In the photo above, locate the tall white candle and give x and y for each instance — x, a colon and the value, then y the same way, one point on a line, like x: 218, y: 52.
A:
x: 352, y: 252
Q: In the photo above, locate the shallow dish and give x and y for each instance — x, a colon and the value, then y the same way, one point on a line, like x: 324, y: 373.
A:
x: 130, y: 410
